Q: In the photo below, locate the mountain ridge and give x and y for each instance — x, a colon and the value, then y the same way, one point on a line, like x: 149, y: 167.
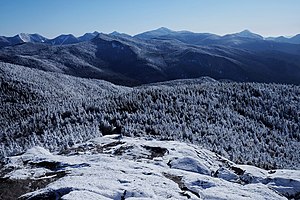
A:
x: 160, y: 115
x: 122, y: 59
x: 162, y: 31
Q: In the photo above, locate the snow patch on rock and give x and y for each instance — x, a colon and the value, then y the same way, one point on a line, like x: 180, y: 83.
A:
x: 116, y: 167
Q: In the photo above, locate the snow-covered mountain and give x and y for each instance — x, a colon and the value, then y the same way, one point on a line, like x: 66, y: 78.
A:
x: 126, y: 60
x: 246, y: 34
x: 63, y: 40
x: 292, y: 40
x: 54, y: 110
x: 115, y: 33
x: 155, y: 33
x: 295, y: 39
x: 34, y: 38
x: 160, y: 33
x: 64, y: 137
x: 180, y: 117
x: 116, y: 167
x: 21, y: 38
x: 88, y: 36
x: 182, y: 36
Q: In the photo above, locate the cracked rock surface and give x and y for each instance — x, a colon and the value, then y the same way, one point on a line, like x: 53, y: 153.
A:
x: 114, y: 167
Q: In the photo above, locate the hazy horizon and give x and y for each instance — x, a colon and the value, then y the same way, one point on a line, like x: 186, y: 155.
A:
x: 51, y: 18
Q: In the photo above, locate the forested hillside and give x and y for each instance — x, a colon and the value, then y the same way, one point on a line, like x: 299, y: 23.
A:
x: 36, y: 108
x: 246, y: 122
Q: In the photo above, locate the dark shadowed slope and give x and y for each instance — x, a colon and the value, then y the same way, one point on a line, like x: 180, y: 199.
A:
x: 133, y: 61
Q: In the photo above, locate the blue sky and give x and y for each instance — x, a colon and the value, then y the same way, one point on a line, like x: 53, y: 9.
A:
x: 53, y: 17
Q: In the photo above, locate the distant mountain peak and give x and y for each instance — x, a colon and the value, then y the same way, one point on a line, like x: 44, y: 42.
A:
x: 93, y: 33
x: 114, y: 33
x: 162, y: 33
x: 164, y: 29
x: 34, y: 38
x: 155, y: 33
x: 24, y: 37
x: 67, y: 35
x: 296, y: 36
x: 88, y: 36
x: 161, y: 30
x: 118, y: 34
x: 246, y: 31
x: 23, y: 34
x: 64, y: 39
x: 247, y: 34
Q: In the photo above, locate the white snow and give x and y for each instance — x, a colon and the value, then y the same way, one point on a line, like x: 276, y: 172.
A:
x: 286, y: 182
x: 113, y: 167
x: 25, y: 37
x: 190, y: 164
